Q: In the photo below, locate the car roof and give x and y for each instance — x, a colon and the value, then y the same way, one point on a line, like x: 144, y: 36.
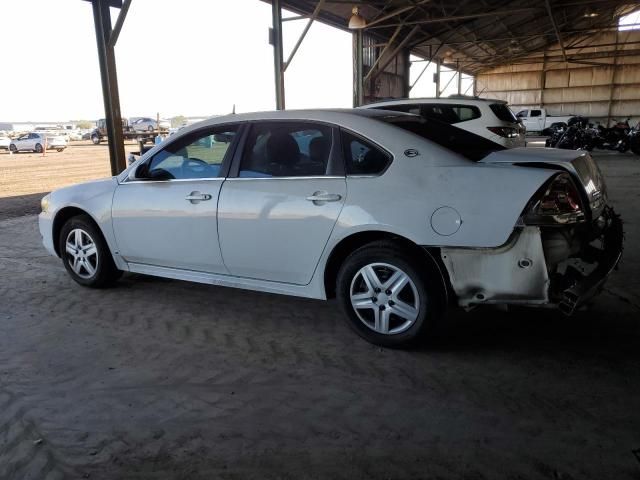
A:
x: 334, y: 115
x: 449, y: 100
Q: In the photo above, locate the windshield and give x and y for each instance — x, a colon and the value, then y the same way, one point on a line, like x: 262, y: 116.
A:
x: 469, y: 145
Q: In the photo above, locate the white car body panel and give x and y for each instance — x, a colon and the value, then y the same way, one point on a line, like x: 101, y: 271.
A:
x: 155, y: 225
x: 271, y: 238
x: 4, y: 143
x: 270, y: 231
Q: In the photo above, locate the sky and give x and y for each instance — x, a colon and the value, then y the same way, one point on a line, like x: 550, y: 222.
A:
x: 197, y: 59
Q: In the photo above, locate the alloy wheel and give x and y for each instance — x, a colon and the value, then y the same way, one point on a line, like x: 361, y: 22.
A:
x: 82, y: 253
x: 384, y: 298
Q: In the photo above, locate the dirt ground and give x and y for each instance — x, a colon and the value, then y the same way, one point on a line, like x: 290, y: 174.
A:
x: 164, y: 379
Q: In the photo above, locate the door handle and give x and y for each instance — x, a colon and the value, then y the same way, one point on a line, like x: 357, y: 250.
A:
x: 324, y: 197
x: 195, y: 197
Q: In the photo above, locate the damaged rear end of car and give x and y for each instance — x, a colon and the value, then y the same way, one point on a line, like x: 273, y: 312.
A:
x: 562, y: 249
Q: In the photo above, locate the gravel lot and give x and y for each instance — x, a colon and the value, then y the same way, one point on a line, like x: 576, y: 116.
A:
x: 164, y: 379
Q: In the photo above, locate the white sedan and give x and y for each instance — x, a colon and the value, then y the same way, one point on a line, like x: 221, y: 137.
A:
x: 349, y: 203
x: 37, y: 142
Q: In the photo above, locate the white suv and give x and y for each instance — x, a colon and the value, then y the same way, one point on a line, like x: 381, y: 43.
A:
x: 490, y: 119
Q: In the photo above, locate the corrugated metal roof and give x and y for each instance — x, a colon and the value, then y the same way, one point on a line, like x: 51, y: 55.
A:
x: 477, y: 34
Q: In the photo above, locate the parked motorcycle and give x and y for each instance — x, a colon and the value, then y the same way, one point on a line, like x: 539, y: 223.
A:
x: 574, y: 136
x: 634, y: 139
x: 614, y: 138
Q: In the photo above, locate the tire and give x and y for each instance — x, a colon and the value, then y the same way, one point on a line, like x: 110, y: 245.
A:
x: 95, y: 270
x: 13, y: 148
x: 150, y: 128
x: 411, y: 311
x: 95, y: 139
x: 38, y: 148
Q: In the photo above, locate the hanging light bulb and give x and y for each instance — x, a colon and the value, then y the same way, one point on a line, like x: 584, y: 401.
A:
x: 357, y: 21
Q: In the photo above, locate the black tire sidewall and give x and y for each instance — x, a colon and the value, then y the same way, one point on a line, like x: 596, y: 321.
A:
x: 106, y: 272
x: 38, y: 148
x: 429, y: 301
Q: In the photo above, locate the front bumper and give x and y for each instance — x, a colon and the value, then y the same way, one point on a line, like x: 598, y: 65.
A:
x: 45, y: 224
x: 606, y: 259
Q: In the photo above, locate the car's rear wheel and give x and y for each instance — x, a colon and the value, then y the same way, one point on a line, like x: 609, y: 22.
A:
x: 389, y: 298
x: 38, y: 148
x: 150, y: 128
x: 85, y: 253
x: 95, y: 139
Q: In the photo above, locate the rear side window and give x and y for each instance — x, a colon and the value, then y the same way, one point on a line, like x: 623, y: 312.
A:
x: 504, y: 113
x: 283, y: 149
x: 536, y: 113
x: 448, y: 113
x: 361, y: 157
x: 451, y: 113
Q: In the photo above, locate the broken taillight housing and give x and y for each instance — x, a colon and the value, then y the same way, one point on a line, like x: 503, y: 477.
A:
x: 506, y: 132
x: 559, y: 204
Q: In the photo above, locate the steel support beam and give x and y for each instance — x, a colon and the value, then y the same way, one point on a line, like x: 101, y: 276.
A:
x: 555, y: 29
x: 113, y: 39
x: 313, y: 16
x: 438, y: 78
x: 109, y: 77
x: 358, y: 69
x: 393, y: 54
x: 276, y: 41
x: 456, y: 18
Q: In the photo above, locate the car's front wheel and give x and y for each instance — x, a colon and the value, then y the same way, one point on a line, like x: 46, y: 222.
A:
x: 13, y: 148
x: 85, y: 253
x: 389, y: 298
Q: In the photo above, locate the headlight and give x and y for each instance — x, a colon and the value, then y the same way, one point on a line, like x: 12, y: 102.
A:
x: 44, y: 203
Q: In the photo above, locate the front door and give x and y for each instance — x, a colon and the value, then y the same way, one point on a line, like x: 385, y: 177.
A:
x: 167, y: 217
x: 275, y: 217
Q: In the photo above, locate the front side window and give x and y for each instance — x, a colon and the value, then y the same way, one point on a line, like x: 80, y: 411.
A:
x: 196, y: 155
x: 362, y: 157
x: 286, y: 149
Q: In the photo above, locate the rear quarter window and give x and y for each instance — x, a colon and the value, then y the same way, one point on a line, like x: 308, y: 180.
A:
x: 504, y: 113
x: 362, y: 157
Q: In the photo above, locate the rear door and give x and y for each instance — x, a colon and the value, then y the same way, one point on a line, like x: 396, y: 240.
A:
x: 281, y: 202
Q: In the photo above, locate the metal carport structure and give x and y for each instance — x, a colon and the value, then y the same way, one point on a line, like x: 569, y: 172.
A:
x: 484, y: 38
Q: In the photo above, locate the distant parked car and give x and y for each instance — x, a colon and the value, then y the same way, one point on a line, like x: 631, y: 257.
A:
x: 146, y: 124
x: 486, y: 118
x: 35, y: 142
x: 4, y: 143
